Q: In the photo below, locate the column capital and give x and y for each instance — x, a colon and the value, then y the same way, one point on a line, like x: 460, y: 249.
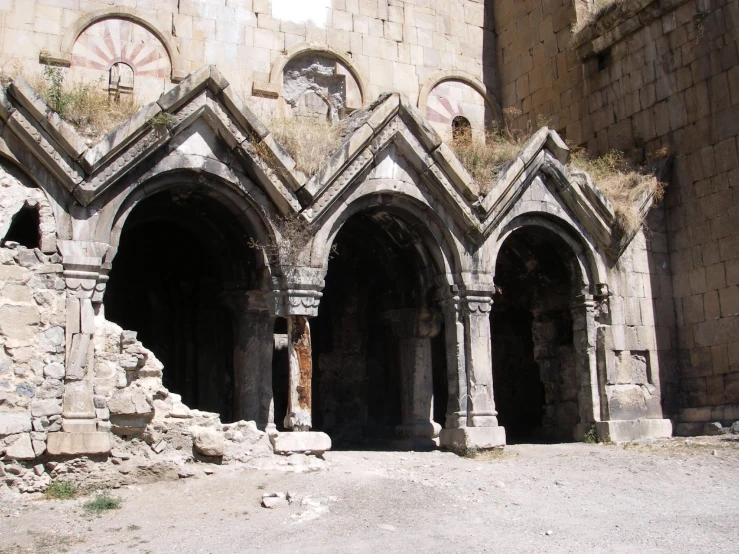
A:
x: 470, y: 299
x: 296, y: 291
x: 83, y: 268
x: 584, y: 301
x: 413, y: 322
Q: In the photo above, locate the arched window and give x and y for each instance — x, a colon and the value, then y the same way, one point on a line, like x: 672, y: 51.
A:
x: 121, y: 81
x: 461, y: 129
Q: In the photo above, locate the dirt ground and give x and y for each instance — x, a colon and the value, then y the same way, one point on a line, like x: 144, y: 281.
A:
x: 670, y: 496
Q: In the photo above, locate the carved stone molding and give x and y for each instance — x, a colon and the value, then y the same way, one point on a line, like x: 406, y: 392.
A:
x: 296, y: 291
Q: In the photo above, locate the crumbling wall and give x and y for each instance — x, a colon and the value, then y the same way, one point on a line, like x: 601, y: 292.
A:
x: 32, y: 319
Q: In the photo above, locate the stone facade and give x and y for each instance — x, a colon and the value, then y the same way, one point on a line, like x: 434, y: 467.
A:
x: 650, y: 76
x: 397, y: 296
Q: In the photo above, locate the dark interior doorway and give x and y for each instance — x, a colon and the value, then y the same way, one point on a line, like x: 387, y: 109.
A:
x: 177, y: 254
x: 24, y: 228
x: 376, y: 268
x: 534, y: 373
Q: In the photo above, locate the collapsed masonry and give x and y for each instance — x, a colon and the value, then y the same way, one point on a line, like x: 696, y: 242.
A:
x: 414, y: 309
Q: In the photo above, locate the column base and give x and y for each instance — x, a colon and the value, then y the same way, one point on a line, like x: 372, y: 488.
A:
x: 472, y: 438
x: 72, y: 444
x: 634, y: 429
x: 418, y: 430
x: 79, y: 425
x: 306, y: 442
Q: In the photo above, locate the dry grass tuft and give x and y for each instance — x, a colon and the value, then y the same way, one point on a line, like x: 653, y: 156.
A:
x: 484, y: 160
x: 308, y: 141
x: 624, y: 184
x: 85, y: 106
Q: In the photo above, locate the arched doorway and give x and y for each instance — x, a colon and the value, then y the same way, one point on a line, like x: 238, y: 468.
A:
x: 535, y: 351
x: 378, y: 342
x: 180, y: 255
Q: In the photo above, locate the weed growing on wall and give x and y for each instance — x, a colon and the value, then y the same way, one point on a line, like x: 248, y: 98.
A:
x: 596, y: 11
x: 86, y: 106
x: 624, y: 183
x: 485, y: 159
x: 294, y: 235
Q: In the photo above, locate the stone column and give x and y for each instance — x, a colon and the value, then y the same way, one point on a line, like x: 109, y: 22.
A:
x: 295, y: 296
x: 479, y: 356
x: 479, y: 428
x: 253, y: 330
x: 454, y: 329
x: 584, y: 341
x: 299, y: 350
x: 85, y: 283
x: 414, y: 329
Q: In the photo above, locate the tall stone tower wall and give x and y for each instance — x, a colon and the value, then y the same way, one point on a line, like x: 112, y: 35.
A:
x: 646, y: 76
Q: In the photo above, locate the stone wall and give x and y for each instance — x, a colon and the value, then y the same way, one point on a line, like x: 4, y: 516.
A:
x: 649, y: 76
x: 391, y: 45
x: 32, y: 319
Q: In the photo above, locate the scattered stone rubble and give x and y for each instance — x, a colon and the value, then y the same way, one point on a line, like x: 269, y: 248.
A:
x: 154, y: 435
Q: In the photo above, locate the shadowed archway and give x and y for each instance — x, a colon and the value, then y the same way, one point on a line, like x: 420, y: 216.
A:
x: 379, y: 353
x: 535, y: 352
x: 180, y: 254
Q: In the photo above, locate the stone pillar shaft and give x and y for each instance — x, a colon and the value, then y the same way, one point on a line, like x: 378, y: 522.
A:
x: 414, y: 329
x: 252, y: 358
x: 479, y: 358
x: 584, y: 334
x: 456, y: 412
x: 299, y: 402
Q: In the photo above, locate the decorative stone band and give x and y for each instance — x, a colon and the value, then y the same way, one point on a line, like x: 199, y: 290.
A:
x: 585, y: 301
x: 295, y: 292
x: 293, y: 302
x: 479, y: 305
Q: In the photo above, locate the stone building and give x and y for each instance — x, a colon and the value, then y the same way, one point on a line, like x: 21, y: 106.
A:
x: 406, y: 304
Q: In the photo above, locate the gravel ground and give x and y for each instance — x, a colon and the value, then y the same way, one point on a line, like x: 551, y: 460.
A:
x: 670, y: 496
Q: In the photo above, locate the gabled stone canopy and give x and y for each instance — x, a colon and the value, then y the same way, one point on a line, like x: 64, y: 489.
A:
x: 89, y: 173
x: 201, y: 140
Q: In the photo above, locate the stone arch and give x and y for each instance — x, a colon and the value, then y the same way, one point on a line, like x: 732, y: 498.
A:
x: 448, y: 110
x: 406, y: 200
x: 275, y: 85
x: 381, y: 316
x: 64, y: 56
x: 235, y: 191
x: 582, y: 262
x: 553, y: 217
x: 543, y: 329
x: 182, y: 271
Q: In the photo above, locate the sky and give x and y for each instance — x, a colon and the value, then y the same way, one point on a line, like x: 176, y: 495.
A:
x: 301, y: 11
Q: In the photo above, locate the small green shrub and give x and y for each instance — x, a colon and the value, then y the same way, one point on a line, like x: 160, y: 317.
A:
x: 61, y: 490
x: 161, y: 120
x: 101, y: 503
x: 591, y: 436
x: 86, y: 106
